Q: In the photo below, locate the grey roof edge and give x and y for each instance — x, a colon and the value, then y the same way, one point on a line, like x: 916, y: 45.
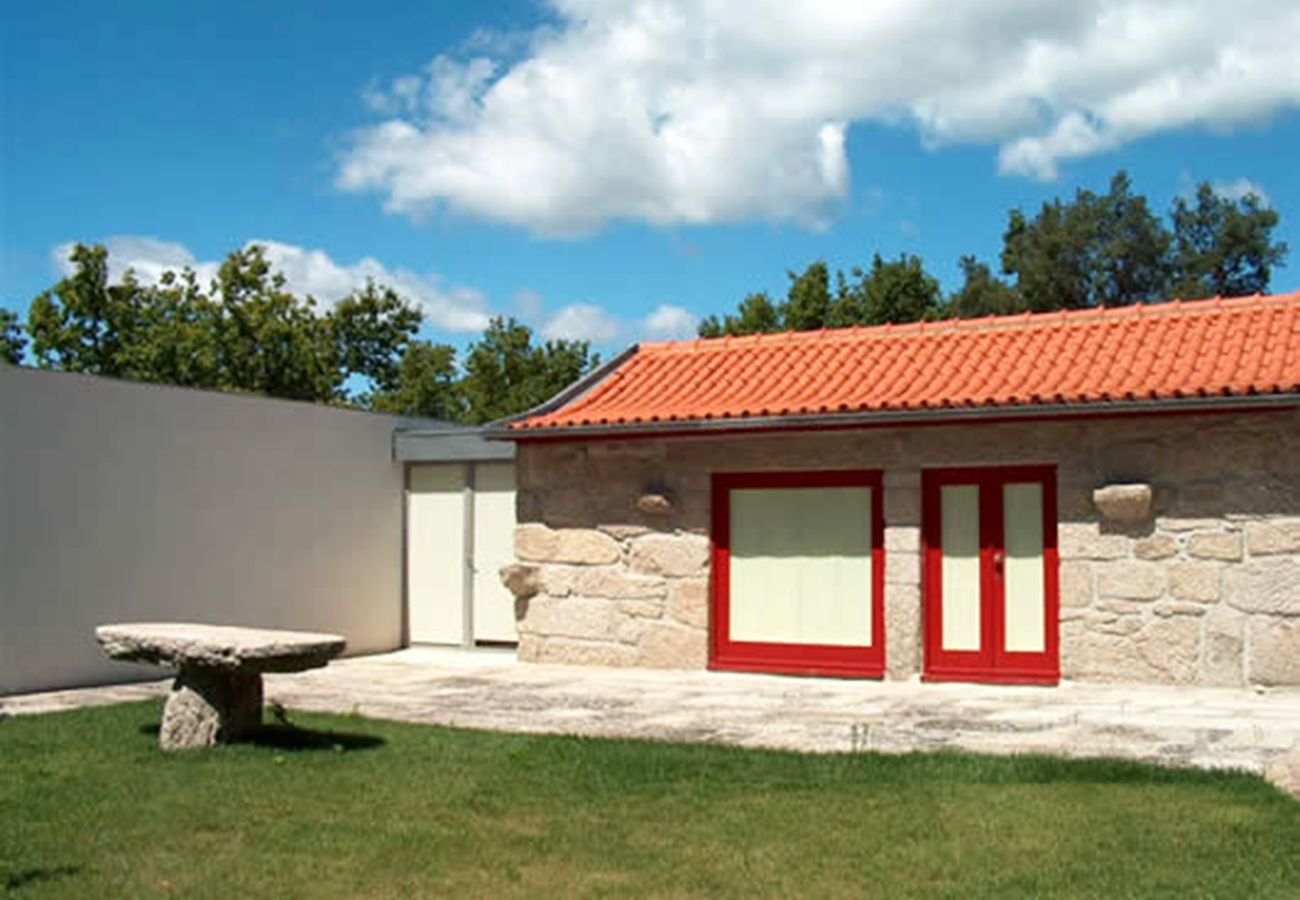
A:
x: 954, y: 415
x: 448, y: 445
x: 499, y: 430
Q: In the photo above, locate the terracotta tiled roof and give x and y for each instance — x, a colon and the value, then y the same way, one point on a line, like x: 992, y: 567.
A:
x: 1209, y: 348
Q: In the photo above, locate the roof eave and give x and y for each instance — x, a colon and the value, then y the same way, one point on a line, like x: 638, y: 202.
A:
x: 502, y: 431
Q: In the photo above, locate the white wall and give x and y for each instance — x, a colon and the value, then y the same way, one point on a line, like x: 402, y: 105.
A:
x: 126, y: 502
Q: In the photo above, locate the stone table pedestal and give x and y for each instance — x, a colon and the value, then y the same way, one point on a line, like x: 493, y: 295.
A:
x: 217, y: 695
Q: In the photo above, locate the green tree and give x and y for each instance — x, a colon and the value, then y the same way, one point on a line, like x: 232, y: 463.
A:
x: 505, y: 373
x: 11, y: 338
x: 896, y: 291
x: 80, y: 324
x: 425, y: 384
x: 271, y: 342
x: 981, y: 293
x: 1223, y: 247
x: 808, y: 303
x: 756, y: 314
x: 372, y: 329
x: 1096, y: 250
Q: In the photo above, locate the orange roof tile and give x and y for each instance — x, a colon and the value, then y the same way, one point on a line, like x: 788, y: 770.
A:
x: 1168, y: 351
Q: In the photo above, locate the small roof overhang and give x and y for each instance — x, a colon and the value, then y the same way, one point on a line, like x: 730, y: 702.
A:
x: 448, y: 445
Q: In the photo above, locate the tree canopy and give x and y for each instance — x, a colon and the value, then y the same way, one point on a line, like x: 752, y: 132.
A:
x: 11, y: 338
x: 1092, y: 250
x: 246, y: 331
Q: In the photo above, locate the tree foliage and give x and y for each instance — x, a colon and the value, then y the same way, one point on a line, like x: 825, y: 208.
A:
x: 1223, y: 247
x: 424, y: 384
x: 11, y: 338
x: 1096, y: 250
x: 981, y: 293
x: 246, y: 331
x: 889, y: 291
x: 506, y: 373
x: 1092, y: 250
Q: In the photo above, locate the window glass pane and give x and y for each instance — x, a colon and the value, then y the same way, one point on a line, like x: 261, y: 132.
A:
x: 801, y: 566
x: 960, y: 542
x: 1022, y: 511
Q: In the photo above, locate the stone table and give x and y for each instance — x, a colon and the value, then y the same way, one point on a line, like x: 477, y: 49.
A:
x: 217, y: 695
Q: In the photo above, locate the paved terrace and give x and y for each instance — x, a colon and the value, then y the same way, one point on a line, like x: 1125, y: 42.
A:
x: 1208, y: 727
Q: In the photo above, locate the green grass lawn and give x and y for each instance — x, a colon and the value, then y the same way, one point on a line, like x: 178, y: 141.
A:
x: 90, y: 808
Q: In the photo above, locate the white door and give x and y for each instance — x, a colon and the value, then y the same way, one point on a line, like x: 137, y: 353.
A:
x: 435, y: 554
x: 494, y: 531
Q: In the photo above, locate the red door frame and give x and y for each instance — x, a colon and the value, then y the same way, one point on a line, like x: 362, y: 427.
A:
x: 989, y: 663
x: 793, y: 659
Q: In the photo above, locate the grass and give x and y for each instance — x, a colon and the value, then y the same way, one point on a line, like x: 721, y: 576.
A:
x: 350, y: 807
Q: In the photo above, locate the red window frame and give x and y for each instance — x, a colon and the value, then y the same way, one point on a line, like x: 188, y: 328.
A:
x: 793, y: 659
x: 990, y: 663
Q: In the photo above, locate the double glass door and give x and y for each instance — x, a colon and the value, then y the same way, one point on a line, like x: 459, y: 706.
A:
x: 990, y: 577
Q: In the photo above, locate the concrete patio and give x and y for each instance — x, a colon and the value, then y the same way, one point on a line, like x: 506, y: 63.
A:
x: 1207, y: 727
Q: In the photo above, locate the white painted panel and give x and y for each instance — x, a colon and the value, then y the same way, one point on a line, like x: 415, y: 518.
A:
x: 801, y: 566
x: 435, y: 553
x: 494, y: 530
x: 960, y: 542
x: 1022, y: 512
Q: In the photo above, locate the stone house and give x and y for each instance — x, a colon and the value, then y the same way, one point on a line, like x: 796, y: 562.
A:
x: 1102, y: 495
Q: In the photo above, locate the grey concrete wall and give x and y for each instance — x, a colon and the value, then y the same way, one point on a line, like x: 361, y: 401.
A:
x: 125, y: 502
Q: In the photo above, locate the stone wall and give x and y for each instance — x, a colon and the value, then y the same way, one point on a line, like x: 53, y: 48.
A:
x: 1203, y: 590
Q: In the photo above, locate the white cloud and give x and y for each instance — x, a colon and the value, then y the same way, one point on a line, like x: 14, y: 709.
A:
x: 1240, y: 189
x: 307, y: 271
x: 669, y: 322
x: 588, y: 322
x: 698, y: 111
x: 581, y: 322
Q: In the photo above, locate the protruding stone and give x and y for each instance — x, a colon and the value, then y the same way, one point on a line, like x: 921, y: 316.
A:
x: 1269, y: 537
x: 1124, y: 502
x: 1223, y: 545
x: 1157, y: 546
x: 1270, y: 585
x: 675, y: 555
x: 1194, y: 581
x: 1274, y: 651
x: 654, y: 504
x: 521, y: 580
x: 1132, y: 580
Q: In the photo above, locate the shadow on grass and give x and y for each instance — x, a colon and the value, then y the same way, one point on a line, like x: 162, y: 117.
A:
x: 293, y: 738
x: 23, y: 877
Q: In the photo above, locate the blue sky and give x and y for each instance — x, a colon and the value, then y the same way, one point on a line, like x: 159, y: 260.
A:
x: 612, y: 170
